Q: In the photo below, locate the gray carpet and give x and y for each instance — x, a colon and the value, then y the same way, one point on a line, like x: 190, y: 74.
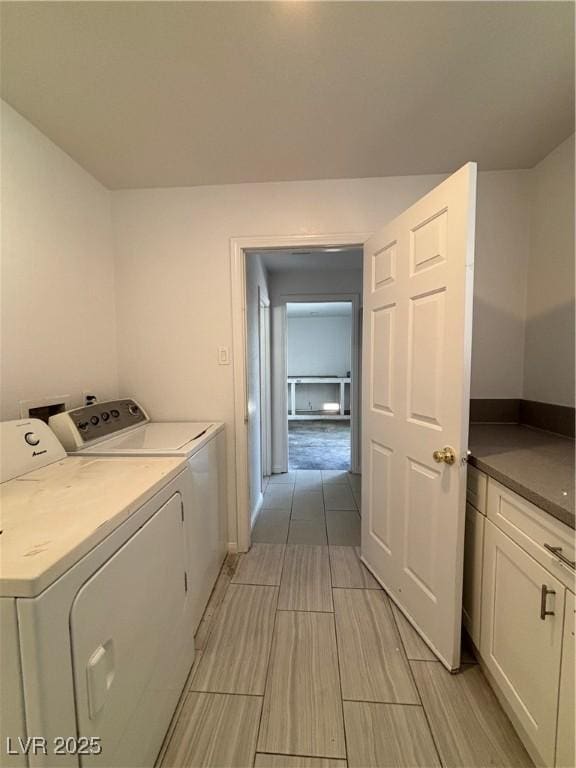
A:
x: 319, y: 444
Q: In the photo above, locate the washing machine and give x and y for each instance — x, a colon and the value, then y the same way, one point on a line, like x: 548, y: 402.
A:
x: 122, y: 428
x: 95, y: 609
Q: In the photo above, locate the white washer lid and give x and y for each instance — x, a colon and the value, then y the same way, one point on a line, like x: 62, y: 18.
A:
x: 54, y: 516
x: 172, y: 437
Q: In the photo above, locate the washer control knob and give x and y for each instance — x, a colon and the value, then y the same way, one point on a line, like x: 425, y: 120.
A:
x: 31, y: 438
x: 104, y: 415
x: 115, y: 412
x: 133, y: 410
x: 82, y: 425
x: 94, y: 420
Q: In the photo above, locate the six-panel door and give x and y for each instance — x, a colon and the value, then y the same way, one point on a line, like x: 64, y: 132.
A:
x: 416, y: 372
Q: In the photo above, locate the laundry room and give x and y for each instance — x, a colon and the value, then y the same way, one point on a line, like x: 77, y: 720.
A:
x: 287, y: 384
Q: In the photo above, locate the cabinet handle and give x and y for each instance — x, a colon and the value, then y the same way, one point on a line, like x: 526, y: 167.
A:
x: 543, y: 598
x: 558, y: 552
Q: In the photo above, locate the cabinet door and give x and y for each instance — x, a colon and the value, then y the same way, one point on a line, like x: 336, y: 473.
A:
x: 565, y: 741
x: 521, y: 649
x: 473, y: 555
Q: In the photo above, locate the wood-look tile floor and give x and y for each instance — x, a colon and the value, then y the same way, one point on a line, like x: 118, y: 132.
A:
x: 304, y: 663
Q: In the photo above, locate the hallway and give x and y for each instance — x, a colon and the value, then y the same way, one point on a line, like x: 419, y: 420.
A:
x: 304, y: 662
x: 310, y: 507
x: 321, y: 444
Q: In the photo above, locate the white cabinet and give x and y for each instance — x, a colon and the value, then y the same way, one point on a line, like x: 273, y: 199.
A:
x: 535, y: 531
x: 518, y: 608
x: 521, y: 638
x: 476, y: 495
x: 473, y: 555
x: 565, y: 749
x: 476, y: 488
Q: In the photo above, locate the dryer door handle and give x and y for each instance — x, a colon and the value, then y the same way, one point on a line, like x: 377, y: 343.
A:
x: 99, y: 677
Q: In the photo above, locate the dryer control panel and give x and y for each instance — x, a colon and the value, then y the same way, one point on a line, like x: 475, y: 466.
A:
x: 26, y: 445
x: 85, y: 426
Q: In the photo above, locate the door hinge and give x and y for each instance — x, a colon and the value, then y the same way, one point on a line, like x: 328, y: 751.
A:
x: 185, y: 582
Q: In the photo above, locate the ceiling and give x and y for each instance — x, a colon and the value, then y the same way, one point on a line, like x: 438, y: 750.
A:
x: 282, y: 260
x: 319, y: 309
x: 152, y: 94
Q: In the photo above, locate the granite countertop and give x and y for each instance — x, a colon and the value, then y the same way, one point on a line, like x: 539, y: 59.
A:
x: 537, y: 465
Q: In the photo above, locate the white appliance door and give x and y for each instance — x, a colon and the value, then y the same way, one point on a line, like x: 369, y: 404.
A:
x: 418, y: 275
x: 126, y: 627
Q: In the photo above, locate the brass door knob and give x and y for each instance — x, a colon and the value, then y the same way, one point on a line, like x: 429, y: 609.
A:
x: 446, y: 455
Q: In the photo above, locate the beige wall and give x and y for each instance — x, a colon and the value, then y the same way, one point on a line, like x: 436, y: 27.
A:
x: 58, y: 329
x: 549, y: 353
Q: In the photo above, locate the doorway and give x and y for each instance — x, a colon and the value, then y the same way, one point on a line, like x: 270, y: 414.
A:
x: 278, y: 282
x: 319, y: 375
x: 417, y: 293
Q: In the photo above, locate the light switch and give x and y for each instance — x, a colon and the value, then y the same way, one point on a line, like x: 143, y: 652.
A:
x: 223, y: 356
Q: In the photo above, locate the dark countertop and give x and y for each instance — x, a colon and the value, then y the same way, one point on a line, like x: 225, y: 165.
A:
x: 537, y: 465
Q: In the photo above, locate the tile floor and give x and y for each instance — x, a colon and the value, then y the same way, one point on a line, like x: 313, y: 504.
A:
x: 303, y: 662
x: 310, y: 506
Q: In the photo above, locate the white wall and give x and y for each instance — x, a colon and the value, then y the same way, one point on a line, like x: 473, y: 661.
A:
x: 173, y: 272
x: 58, y: 307
x: 319, y: 346
x: 256, y: 289
x: 173, y: 268
x: 500, y: 275
x: 549, y: 353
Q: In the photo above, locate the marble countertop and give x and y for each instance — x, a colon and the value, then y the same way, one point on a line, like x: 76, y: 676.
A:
x: 537, y: 465
x: 52, y: 517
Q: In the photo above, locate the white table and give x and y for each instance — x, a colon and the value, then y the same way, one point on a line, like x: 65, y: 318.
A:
x: 342, y: 382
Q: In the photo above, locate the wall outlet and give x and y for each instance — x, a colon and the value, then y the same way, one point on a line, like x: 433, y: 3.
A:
x: 223, y: 356
x: 89, y: 397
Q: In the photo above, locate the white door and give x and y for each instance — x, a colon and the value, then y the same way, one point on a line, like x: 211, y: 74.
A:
x: 418, y: 273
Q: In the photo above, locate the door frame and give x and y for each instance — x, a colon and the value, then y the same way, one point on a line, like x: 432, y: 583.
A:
x: 238, y: 248
x: 355, y: 409
x: 264, y: 363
